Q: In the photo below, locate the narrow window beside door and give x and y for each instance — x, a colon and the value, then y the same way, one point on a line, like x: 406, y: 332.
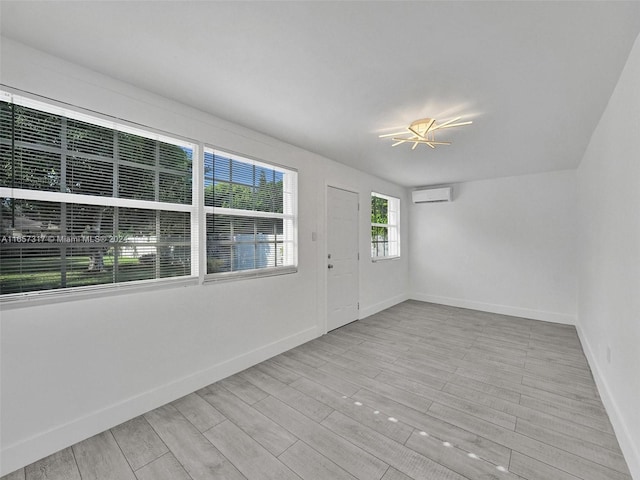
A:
x: 385, y: 231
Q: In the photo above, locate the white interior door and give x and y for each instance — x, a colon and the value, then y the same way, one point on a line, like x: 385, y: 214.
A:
x: 342, y: 257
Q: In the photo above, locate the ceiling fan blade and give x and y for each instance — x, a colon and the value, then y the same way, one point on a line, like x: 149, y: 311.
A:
x: 446, y: 123
x: 408, y: 139
x: 422, y: 140
x: 452, y: 125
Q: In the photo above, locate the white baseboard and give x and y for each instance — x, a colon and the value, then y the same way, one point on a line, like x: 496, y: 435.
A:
x: 380, y: 306
x: 495, y: 308
x: 39, y: 446
x: 629, y: 446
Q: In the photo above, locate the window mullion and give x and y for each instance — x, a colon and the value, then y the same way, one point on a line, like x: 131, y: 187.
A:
x: 198, y: 216
x: 156, y: 196
x: 255, y: 237
x: 63, y: 206
x: 13, y: 164
x: 248, y: 213
x: 63, y: 248
x: 158, y: 246
x: 253, y: 187
x: 63, y: 155
x: 231, y: 241
x: 116, y: 246
x: 116, y: 166
x: 156, y: 173
x: 41, y: 195
x: 115, y: 191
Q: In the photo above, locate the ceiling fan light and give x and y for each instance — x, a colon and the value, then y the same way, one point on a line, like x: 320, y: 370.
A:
x: 421, y: 127
x: 422, y: 131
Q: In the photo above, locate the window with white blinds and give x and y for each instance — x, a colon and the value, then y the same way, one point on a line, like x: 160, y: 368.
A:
x: 250, y: 211
x: 385, y: 231
x: 86, y: 202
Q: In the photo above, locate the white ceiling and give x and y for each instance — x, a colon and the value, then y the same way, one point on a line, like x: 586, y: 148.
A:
x: 331, y: 76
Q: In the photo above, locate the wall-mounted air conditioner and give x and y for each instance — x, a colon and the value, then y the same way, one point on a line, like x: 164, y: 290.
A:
x: 440, y: 194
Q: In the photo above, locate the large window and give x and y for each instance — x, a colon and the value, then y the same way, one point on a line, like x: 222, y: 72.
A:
x: 250, y: 211
x: 385, y: 235
x: 88, y: 202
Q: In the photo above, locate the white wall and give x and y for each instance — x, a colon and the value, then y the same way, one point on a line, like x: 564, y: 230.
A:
x: 74, y: 368
x: 609, y: 274
x: 505, y: 245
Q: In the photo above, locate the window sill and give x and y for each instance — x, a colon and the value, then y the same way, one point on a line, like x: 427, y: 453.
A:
x: 48, y: 297
x: 247, y: 274
x: 384, y: 259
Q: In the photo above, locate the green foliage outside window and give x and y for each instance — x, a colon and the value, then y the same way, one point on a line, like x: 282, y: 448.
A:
x: 379, y: 214
x: 50, y: 244
x: 384, y: 226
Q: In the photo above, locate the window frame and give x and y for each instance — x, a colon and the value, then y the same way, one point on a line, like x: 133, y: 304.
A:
x: 290, y: 215
x: 196, y: 209
x: 71, y: 112
x: 392, y: 226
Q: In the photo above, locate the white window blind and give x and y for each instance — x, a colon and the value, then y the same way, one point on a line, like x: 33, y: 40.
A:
x: 251, y: 211
x: 85, y: 201
x: 385, y: 232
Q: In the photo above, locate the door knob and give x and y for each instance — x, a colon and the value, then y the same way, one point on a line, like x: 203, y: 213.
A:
x: 329, y: 266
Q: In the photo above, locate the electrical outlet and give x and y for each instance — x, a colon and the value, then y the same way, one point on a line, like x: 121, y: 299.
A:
x: 608, y: 354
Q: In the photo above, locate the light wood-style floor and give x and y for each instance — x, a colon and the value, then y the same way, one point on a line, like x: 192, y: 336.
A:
x: 419, y: 391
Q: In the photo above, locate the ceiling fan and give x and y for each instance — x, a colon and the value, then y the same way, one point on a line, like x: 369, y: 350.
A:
x: 422, y: 131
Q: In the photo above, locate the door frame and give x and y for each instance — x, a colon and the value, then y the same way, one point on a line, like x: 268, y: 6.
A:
x: 325, y: 250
